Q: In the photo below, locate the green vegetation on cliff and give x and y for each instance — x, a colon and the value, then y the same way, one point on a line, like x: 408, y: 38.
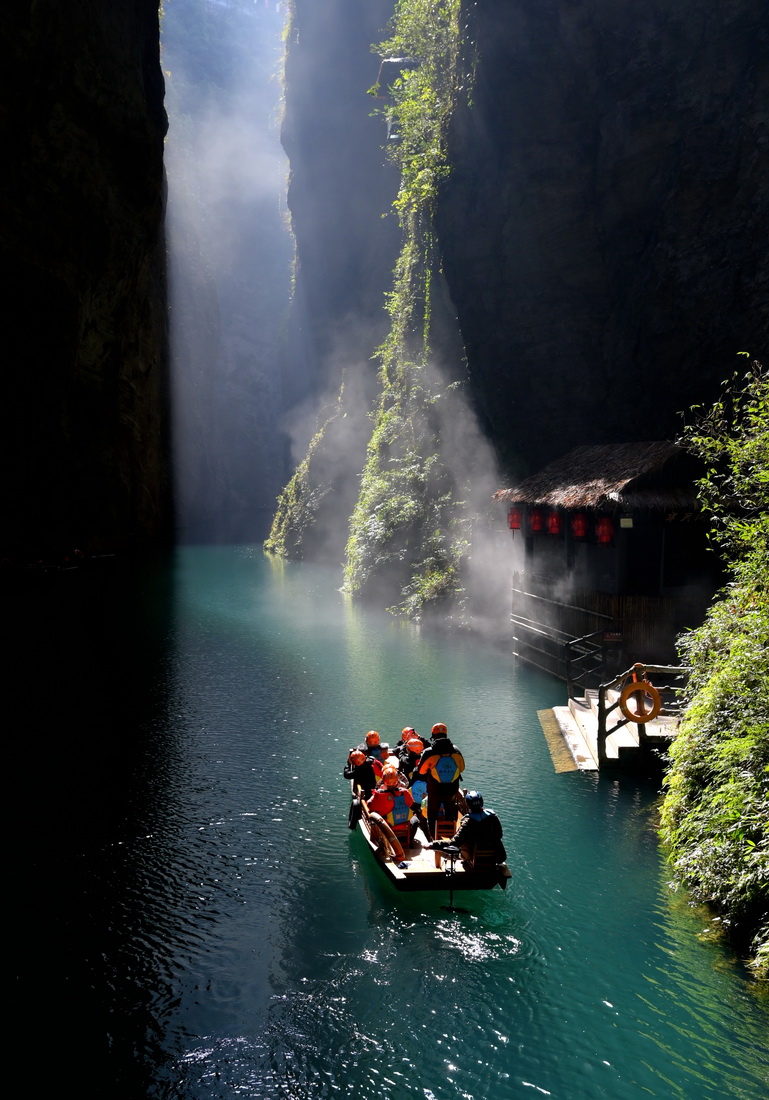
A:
x: 298, y: 503
x: 716, y: 811
x: 406, y: 526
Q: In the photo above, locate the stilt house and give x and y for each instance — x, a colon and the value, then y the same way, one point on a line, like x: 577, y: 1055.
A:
x: 610, y: 559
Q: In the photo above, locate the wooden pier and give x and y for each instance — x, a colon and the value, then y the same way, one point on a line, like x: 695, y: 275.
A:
x: 597, y: 733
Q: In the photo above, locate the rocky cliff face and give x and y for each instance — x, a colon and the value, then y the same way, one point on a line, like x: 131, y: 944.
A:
x: 340, y: 186
x: 603, y: 227
x: 84, y: 421
x: 605, y: 223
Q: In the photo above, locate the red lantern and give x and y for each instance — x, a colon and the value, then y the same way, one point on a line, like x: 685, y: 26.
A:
x: 535, y: 519
x: 579, y: 525
x: 604, y: 530
x: 553, y: 523
x: 514, y: 519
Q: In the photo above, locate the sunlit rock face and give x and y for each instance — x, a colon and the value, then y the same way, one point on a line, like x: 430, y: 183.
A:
x: 604, y: 228
x: 84, y: 417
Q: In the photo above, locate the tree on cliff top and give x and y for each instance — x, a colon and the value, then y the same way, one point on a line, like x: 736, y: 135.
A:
x: 716, y: 810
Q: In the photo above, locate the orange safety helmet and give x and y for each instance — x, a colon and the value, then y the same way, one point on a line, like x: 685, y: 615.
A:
x: 357, y: 756
x: 372, y: 737
x: 389, y: 775
x: 408, y: 729
x: 439, y: 727
x: 414, y: 745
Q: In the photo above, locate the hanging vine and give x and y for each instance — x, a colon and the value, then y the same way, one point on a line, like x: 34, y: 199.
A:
x: 406, y: 516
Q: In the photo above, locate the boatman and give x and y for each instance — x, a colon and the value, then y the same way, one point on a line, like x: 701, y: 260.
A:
x: 441, y: 765
x: 479, y: 830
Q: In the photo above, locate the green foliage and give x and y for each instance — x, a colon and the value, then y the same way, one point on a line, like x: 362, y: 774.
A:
x: 716, y: 810
x: 422, y: 98
x: 405, y: 523
x: 299, y: 502
x: 732, y: 438
x: 406, y: 517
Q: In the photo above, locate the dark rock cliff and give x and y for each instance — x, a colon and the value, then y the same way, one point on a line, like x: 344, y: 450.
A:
x: 604, y: 227
x: 84, y: 408
x: 340, y: 185
x: 341, y: 188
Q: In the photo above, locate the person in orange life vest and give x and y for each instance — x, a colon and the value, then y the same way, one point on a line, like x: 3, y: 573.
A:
x: 393, y: 802
x: 364, y: 771
x: 409, y: 755
x: 372, y: 746
x: 442, y: 765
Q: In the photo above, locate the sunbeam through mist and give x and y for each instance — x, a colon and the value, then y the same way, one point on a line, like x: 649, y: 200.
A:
x: 230, y: 263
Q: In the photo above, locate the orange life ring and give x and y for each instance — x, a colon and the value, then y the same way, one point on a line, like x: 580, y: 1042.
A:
x: 644, y: 691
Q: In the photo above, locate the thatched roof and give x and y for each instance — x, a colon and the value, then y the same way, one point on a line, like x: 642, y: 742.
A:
x: 611, y: 477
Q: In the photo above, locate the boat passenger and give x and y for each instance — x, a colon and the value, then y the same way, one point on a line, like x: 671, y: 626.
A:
x: 419, y: 794
x: 364, y: 772
x: 442, y: 765
x: 393, y: 802
x: 479, y: 830
x: 406, y: 735
x: 372, y: 746
x: 409, y: 756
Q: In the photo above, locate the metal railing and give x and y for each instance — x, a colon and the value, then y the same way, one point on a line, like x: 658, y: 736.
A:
x: 584, y: 660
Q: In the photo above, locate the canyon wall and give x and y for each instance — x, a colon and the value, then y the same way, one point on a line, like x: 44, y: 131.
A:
x: 604, y: 226
x: 84, y: 412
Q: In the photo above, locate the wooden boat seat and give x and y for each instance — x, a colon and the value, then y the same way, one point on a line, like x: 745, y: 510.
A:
x: 445, y: 827
x: 483, y: 858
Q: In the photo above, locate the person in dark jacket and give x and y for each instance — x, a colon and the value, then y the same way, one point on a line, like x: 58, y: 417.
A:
x: 407, y: 733
x: 479, y: 829
x: 364, y: 772
x: 409, y: 756
x: 374, y: 748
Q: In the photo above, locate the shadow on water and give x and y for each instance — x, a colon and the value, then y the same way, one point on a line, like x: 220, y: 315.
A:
x: 89, y: 745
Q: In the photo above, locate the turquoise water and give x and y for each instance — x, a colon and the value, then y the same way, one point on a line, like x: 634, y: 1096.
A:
x: 229, y: 936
